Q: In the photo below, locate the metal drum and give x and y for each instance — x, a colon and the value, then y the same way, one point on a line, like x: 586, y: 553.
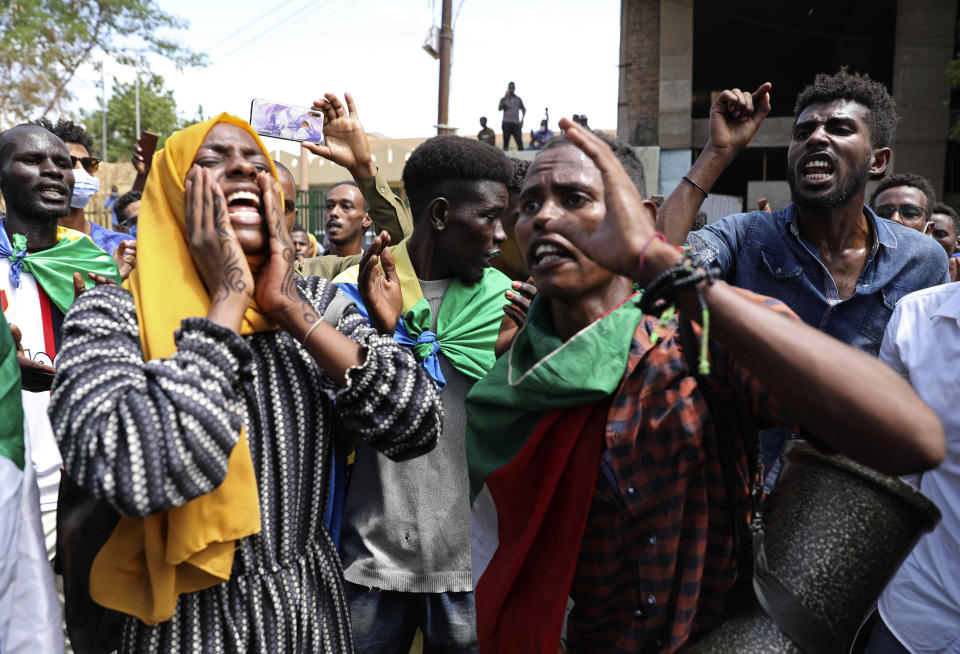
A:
x: 835, y: 533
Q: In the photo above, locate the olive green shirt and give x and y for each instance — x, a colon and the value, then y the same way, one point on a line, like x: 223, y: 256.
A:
x: 387, y: 212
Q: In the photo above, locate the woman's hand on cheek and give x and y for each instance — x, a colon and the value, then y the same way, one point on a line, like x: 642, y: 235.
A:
x: 215, y: 249
x: 276, y: 291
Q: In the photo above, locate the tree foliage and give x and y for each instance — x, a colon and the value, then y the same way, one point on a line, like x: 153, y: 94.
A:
x: 44, y: 42
x: 158, y: 113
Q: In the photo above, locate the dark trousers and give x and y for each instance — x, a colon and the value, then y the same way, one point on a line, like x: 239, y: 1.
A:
x: 879, y: 639
x: 512, y: 129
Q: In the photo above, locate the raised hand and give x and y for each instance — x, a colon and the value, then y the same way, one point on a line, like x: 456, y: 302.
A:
x: 345, y: 140
x: 215, y: 250
x: 140, y: 164
x: 98, y: 280
x: 276, y: 289
x: 380, y: 290
x: 519, y: 301
x: 736, y: 116
x: 617, y: 242
x: 34, y: 376
x: 519, y: 297
x: 125, y: 257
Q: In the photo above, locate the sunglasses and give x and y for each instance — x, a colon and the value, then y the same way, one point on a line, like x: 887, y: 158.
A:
x: 908, y: 211
x: 90, y: 164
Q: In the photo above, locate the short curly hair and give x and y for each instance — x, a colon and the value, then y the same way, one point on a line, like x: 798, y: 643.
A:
x: 124, y: 201
x: 844, y: 85
x: 520, y: 167
x: 624, y: 151
x: 440, y: 165
x: 918, y: 182
x: 68, y: 132
x: 947, y: 210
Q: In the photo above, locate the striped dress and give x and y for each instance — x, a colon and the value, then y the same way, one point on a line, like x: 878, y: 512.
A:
x: 147, y: 437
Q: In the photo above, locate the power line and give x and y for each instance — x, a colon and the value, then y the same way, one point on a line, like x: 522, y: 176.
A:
x: 253, y: 22
x: 457, y: 15
x: 281, y: 23
x: 308, y: 26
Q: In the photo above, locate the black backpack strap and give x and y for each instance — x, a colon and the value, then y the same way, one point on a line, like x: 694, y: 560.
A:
x: 731, y: 477
x: 795, y: 620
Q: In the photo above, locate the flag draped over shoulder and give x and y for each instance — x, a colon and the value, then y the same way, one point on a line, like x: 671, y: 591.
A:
x: 535, y: 434
x: 53, y: 268
x: 29, y: 611
x: 468, y: 321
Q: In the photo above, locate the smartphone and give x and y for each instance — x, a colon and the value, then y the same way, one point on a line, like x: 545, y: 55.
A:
x: 284, y: 121
x: 148, y: 143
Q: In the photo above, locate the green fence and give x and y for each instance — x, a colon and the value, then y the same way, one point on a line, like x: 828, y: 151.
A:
x: 310, y: 207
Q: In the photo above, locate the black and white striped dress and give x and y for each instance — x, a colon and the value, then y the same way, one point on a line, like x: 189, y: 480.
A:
x: 147, y: 437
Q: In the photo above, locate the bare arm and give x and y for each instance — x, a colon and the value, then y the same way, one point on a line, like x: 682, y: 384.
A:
x: 844, y: 397
x: 734, y: 118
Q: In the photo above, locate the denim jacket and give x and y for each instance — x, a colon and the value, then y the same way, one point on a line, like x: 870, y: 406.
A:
x: 765, y: 253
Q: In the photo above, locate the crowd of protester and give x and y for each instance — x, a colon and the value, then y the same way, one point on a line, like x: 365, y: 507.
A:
x: 525, y: 419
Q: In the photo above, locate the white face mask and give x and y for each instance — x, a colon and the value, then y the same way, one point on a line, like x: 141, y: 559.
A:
x: 85, y: 186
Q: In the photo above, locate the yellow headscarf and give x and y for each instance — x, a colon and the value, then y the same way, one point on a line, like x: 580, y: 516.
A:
x: 147, y: 563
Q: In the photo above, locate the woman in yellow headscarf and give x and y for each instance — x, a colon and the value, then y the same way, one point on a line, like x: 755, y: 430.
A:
x: 200, y: 404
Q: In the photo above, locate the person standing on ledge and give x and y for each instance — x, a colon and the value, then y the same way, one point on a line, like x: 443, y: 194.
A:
x: 513, y: 114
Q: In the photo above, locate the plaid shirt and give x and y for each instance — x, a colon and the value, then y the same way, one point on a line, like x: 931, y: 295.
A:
x: 657, y: 562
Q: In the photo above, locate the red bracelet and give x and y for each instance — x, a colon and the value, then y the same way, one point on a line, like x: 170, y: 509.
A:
x: 643, y: 250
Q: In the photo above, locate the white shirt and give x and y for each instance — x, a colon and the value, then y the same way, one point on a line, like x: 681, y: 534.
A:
x: 921, y: 605
x: 29, y: 311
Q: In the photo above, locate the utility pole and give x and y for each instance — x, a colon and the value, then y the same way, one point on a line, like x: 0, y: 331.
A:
x: 136, y: 95
x: 446, y: 46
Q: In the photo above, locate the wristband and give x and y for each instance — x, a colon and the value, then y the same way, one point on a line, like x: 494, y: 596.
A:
x: 643, y: 250
x: 697, y: 186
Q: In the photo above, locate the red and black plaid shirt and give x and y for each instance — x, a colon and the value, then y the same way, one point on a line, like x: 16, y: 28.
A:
x: 657, y: 563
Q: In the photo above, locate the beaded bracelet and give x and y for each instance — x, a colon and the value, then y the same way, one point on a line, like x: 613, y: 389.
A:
x: 660, y: 295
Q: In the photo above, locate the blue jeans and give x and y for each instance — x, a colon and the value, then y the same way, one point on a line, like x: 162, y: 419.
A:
x: 386, y: 621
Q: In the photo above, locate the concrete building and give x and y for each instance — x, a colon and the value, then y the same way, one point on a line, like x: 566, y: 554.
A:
x: 676, y: 55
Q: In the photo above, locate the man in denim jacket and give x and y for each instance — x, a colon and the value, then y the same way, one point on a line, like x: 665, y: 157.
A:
x: 827, y: 256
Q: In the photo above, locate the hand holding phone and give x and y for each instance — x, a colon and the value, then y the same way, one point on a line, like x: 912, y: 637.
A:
x: 142, y: 157
x: 346, y: 141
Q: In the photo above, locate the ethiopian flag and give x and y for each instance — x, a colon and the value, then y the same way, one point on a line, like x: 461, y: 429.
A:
x: 29, y: 611
x: 535, y: 435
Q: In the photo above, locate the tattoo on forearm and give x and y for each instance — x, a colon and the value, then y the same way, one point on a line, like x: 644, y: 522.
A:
x: 288, y: 286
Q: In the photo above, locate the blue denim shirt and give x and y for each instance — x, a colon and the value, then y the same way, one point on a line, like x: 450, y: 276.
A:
x: 765, y: 253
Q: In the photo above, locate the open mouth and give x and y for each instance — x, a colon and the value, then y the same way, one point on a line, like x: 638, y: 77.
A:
x: 54, y: 192
x: 817, y: 168
x: 333, y: 226
x: 243, y: 207
x: 544, y: 253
